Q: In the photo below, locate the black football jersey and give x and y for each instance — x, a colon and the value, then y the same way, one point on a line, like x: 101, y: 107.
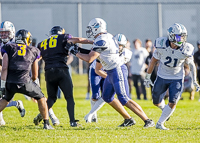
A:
x: 20, y: 58
x: 53, y: 52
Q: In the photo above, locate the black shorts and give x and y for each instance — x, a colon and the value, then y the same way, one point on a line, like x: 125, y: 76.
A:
x: 30, y: 89
x: 58, y: 77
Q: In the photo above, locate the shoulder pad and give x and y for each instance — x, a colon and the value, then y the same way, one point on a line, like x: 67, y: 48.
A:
x: 187, y: 49
x: 100, y: 43
x: 161, y: 42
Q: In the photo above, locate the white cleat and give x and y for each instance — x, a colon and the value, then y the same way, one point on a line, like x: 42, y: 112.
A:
x: 2, y: 122
x: 20, y: 107
x: 54, y: 121
x: 88, y: 118
x: 161, y: 127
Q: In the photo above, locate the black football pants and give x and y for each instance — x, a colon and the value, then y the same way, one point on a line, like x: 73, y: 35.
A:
x: 60, y: 77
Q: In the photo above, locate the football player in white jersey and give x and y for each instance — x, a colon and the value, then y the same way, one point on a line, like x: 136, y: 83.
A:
x: 172, y: 52
x: 97, y: 76
x: 7, y: 35
x: 106, y: 50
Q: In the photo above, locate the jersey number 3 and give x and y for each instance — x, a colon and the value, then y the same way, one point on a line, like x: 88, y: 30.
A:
x: 169, y: 60
x: 52, y: 42
x: 22, y: 51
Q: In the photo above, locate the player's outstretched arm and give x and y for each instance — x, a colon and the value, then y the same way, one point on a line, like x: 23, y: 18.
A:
x: 75, y: 40
x: 88, y: 57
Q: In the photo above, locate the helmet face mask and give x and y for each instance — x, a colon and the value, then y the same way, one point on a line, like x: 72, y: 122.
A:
x: 177, y: 34
x: 89, y: 32
x: 7, y: 31
x: 95, y: 26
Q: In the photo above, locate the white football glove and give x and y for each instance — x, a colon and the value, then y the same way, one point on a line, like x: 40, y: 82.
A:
x: 147, y: 80
x: 196, y: 86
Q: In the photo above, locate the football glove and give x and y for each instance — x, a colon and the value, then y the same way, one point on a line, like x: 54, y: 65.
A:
x: 74, y: 49
x: 147, y: 81
x: 68, y: 45
x: 196, y: 86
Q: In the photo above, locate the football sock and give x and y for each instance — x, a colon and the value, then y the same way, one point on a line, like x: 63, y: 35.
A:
x: 1, y: 115
x: 46, y: 121
x: 70, y: 108
x: 12, y: 103
x: 51, y: 113
x: 92, y: 104
x: 166, y: 113
x: 162, y: 105
x: 99, y: 103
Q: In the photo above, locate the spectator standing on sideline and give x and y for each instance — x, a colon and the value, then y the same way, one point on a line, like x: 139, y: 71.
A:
x: 149, y: 47
x: 128, y: 64
x: 138, y: 67
x: 197, y: 62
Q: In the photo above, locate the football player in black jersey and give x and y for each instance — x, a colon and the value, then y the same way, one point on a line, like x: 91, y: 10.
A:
x: 18, y: 59
x: 54, y: 53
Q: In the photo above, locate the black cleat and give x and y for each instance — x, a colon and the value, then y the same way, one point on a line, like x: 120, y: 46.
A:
x: 37, y: 119
x: 48, y: 127
x: 128, y: 122
x: 74, y: 123
x: 94, y: 120
x: 149, y: 123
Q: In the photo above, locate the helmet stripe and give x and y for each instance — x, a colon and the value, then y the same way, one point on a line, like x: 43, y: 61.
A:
x: 2, y: 24
x: 120, y: 37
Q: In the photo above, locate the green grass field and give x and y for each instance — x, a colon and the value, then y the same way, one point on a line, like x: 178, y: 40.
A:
x: 184, y: 124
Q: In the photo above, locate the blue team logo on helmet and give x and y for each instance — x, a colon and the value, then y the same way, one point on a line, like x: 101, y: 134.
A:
x: 97, y: 25
x: 2, y: 24
x: 100, y: 43
x: 170, y: 30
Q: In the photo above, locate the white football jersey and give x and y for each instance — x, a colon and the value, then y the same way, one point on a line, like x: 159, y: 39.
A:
x: 107, y: 46
x: 126, y: 55
x: 171, y: 65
